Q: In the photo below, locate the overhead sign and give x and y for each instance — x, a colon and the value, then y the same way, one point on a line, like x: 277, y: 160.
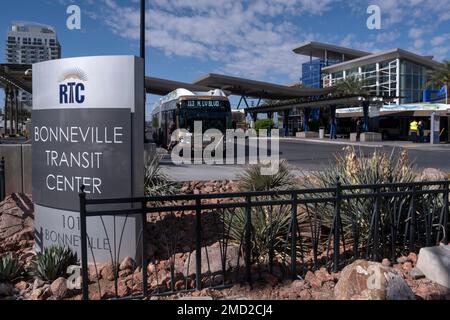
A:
x: 87, y: 114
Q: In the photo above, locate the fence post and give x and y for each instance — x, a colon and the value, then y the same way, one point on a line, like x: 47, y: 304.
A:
x: 337, y: 226
x: 198, y: 244
x: 144, y: 249
x: 445, y: 221
x: 248, y: 240
x: 294, y: 237
x: 412, y: 228
x: 84, y: 251
x: 2, y: 180
x: 376, y: 237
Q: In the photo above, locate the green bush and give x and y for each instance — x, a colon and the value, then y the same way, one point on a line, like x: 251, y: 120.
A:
x: 53, y: 262
x: 10, y: 268
x: 264, y: 124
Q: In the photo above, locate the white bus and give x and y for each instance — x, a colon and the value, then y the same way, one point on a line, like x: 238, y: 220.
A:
x: 181, y: 108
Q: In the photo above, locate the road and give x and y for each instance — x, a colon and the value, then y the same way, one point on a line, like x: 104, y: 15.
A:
x: 307, y: 156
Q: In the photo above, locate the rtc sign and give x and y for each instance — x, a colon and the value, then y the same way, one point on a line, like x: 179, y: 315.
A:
x: 71, y: 90
x: 87, y: 113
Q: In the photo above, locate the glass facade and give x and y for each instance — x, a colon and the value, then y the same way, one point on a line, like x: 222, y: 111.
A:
x: 412, y: 82
x: 381, y: 79
x: 312, y: 72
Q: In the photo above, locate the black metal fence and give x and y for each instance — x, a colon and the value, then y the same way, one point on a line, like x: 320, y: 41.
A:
x: 2, y: 180
x: 286, y: 233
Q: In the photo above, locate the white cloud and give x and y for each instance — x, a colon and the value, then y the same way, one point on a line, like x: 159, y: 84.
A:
x: 251, y: 39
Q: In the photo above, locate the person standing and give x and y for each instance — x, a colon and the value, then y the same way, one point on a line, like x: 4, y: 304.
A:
x: 358, y: 129
x: 421, y: 128
x: 413, y: 127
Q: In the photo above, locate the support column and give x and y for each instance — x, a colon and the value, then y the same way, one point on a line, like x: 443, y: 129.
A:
x: 365, y: 106
x: 16, y: 110
x: 286, y: 123
x: 333, y: 124
x: 11, y: 112
x: 5, y: 113
x: 306, y: 116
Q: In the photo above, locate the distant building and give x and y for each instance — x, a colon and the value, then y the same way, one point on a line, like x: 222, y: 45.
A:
x: 29, y: 43
x: 394, y: 72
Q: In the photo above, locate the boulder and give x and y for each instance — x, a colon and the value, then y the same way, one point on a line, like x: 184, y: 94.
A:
x: 59, y: 288
x: 212, y: 260
x: 434, y: 262
x: 364, y: 280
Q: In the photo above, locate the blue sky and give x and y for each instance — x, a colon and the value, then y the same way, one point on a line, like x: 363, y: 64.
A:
x: 254, y: 39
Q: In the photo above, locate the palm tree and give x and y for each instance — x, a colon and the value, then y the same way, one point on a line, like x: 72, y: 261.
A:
x: 440, y: 75
x: 350, y: 86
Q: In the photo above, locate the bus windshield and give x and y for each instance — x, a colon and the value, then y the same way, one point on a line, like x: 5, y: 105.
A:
x: 214, y: 114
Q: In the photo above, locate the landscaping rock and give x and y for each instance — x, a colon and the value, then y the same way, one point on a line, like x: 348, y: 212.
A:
x: 108, y: 272
x: 59, y: 288
x: 38, y: 283
x: 211, y: 256
x: 416, y: 274
x: 21, y: 286
x: 127, y: 264
x: 434, y: 262
x: 313, y: 280
x: 364, y: 280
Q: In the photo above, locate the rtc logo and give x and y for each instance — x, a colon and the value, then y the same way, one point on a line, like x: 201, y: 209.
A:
x: 72, y: 87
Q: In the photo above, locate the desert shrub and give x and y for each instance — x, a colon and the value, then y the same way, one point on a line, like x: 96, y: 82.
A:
x: 354, y: 168
x: 10, y: 268
x: 270, y: 224
x: 53, y: 262
x: 156, y: 182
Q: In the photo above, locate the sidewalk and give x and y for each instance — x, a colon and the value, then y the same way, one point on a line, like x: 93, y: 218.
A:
x: 379, y: 144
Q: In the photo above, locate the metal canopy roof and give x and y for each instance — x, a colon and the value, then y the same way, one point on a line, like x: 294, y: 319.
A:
x: 14, y: 75
x: 162, y: 86
x: 317, y: 50
x: 258, y: 89
x: 382, y: 56
x: 339, y: 102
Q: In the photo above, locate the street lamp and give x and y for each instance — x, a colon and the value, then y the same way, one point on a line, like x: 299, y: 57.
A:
x: 143, y: 55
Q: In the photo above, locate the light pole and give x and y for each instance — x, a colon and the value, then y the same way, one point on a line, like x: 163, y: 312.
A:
x: 143, y: 54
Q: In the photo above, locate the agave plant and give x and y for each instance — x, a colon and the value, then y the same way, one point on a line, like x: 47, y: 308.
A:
x: 10, y: 268
x: 53, y: 262
x: 270, y: 224
x: 156, y: 182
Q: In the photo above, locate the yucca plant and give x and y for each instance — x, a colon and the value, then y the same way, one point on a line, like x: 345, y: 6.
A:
x: 155, y: 181
x: 10, y: 268
x: 354, y: 168
x: 270, y: 224
x: 53, y: 262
